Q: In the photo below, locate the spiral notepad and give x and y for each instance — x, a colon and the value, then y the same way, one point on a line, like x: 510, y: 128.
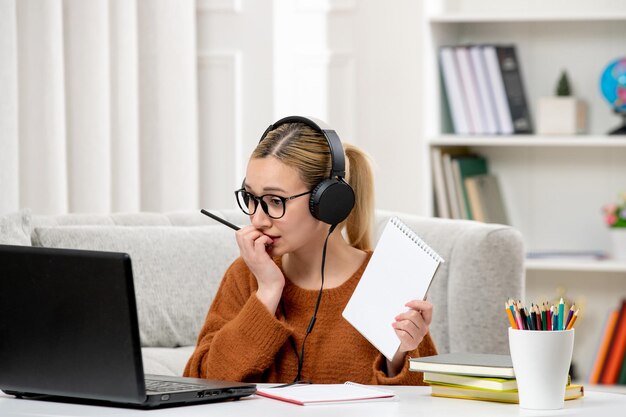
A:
x: 400, y: 270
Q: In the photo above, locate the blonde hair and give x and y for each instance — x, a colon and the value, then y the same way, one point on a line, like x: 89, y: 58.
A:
x: 306, y: 150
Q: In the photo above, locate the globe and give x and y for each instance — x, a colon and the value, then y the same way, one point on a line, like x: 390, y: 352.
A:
x: 613, y: 87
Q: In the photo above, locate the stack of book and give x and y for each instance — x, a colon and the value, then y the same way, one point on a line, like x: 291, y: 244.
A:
x: 474, y: 376
x: 609, y: 365
x: 464, y: 187
x: 484, y: 89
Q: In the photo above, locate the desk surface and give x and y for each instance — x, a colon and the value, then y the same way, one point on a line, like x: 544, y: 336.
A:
x: 412, y: 401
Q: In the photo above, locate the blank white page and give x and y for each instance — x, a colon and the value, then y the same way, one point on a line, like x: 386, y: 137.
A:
x: 400, y: 270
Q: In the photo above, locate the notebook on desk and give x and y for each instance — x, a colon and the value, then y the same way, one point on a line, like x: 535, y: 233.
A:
x: 69, y: 327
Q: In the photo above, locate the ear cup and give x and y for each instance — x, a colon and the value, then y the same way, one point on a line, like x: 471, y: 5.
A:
x: 331, y: 201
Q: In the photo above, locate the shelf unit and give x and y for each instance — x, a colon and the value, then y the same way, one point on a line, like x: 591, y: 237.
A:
x: 553, y: 186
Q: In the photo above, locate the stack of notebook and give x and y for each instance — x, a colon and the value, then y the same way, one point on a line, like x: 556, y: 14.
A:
x: 474, y: 376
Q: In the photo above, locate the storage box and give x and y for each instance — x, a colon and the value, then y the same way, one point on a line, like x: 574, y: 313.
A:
x: 561, y: 116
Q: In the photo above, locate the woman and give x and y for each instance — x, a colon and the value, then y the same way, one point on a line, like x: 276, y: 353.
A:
x: 259, y: 327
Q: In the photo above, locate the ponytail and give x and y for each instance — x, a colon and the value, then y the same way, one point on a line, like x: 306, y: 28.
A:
x: 359, y: 224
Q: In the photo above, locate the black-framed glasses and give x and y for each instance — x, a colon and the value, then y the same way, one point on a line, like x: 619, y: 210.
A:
x: 273, y: 205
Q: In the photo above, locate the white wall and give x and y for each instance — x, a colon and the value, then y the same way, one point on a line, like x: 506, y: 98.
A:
x: 156, y: 105
x: 355, y: 64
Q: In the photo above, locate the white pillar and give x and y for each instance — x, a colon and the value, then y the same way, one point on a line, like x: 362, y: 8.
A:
x: 168, y: 111
x: 88, y: 104
x: 41, y: 95
x: 9, y: 168
x: 125, y: 186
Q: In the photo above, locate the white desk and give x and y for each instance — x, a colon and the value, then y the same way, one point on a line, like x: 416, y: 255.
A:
x: 413, y: 402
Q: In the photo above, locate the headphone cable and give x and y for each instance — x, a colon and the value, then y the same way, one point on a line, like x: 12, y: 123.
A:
x: 314, y: 317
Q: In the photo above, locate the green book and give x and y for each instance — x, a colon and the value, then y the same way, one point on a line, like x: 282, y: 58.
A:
x: 465, y: 166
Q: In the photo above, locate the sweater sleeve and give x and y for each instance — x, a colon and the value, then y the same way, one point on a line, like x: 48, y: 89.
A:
x: 405, y: 376
x: 240, y: 337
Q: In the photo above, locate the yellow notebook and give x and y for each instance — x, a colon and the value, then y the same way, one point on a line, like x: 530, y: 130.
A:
x: 571, y: 392
x: 495, y: 384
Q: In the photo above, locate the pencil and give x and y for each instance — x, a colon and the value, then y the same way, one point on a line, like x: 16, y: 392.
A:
x: 544, y: 318
x: 522, y: 314
x: 561, y: 314
x: 573, y: 320
x: 555, y: 320
x: 510, y: 315
x: 512, y: 307
x: 549, y: 317
x: 219, y: 219
x: 569, y: 315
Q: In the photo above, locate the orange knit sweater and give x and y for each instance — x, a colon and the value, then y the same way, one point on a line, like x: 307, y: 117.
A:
x: 242, y: 341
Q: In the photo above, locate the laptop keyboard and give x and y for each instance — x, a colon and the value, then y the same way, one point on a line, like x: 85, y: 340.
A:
x: 168, y: 386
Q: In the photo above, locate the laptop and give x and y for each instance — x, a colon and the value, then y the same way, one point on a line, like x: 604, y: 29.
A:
x: 69, y: 331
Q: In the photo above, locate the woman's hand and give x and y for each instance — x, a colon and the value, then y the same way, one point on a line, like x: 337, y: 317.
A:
x: 253, y: 248
x: 411, y: 327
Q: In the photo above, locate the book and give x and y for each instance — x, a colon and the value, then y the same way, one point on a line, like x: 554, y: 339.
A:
x: 401, y: 269
x: 571, y: 392
x: 474, y: 364
x: 514, y: 88
x: 617, y: 349
x: 312, y: 394
x: 470, y: 89
x: 454, y: 91
x: 506, y: 83
x: 603, y: 346
x: 453, y: 196
x: 494, y: 384
x: 503, y: 113
x: 484, y: 89
x: 485, y: 198
x: 439, y: 185
x: 465, y: 166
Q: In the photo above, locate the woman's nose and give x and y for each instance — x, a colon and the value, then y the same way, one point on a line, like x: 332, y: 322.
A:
x: 260, y: 218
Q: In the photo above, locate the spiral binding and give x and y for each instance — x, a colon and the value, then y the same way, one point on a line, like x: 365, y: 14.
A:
x: 415, y: 238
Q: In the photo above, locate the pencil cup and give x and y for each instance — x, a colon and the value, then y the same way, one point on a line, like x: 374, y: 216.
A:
x: 541, y: 360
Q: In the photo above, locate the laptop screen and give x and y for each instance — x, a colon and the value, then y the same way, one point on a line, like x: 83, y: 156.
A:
x: 57, y: 307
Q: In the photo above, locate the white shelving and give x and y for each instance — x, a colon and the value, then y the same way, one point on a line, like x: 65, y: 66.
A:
x: 554, y: 187
x: 582, y: 265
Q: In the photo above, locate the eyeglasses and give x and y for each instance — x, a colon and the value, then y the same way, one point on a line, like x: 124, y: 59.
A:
x: 273, y: 205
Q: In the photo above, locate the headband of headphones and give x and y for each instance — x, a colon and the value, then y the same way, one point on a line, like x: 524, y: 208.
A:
x: 337, y: 158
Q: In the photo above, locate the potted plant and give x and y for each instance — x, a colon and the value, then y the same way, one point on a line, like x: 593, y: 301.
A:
x: 562, y: 114
x: 615, y: 218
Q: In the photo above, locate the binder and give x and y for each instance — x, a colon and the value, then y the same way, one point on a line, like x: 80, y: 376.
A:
x: 401, y: 269
x: 454, y: 92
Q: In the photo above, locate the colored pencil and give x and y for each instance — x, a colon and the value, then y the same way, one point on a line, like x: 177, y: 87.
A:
x: 569, y: 315
x: 549, y: 317
x: 544, y: 318
x: 573, y: 320
x: 561, y: 314
x: 533, y: 318
x: 510, y: 315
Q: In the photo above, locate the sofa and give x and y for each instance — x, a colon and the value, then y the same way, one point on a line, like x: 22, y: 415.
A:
x: 178, y: 259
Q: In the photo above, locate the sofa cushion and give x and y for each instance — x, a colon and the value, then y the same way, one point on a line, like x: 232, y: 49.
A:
x: 15, y: 228
x: 176, y: 271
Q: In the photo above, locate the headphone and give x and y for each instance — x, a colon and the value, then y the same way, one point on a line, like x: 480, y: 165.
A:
x: 332, y: 199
